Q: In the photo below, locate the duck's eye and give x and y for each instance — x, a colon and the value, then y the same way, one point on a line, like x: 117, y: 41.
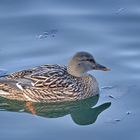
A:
x: 90, y: 60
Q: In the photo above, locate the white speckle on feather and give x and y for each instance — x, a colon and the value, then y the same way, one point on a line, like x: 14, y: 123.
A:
x: 19, y: 86
x: 32, y: 84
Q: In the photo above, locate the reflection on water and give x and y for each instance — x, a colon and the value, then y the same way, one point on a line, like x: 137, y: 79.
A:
x: 82, y: 112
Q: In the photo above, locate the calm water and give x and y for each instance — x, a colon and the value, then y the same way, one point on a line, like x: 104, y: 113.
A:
x: 41, y: 32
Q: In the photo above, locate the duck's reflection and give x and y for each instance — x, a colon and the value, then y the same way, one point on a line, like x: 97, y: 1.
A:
x: 82, y: 112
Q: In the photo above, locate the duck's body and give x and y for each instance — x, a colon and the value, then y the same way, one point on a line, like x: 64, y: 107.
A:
x: 48, y: 83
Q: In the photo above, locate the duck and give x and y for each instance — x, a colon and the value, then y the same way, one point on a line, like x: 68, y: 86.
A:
x: 54, y: 83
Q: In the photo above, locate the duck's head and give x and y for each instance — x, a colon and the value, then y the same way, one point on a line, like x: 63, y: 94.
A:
x: 83, y: 62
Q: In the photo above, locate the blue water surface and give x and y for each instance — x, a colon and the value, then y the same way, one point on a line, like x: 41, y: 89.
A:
x: 36, y: 32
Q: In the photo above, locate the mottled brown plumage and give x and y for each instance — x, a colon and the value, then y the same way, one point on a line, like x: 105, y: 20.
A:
x: 52, y: 83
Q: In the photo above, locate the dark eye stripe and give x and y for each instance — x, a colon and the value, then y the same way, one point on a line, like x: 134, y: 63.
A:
x: 91, y: 60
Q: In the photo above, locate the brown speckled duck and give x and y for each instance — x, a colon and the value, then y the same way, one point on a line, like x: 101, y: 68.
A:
x: 53, y: 83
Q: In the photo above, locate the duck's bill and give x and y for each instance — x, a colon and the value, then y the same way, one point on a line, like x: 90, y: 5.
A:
x: 101, y: 67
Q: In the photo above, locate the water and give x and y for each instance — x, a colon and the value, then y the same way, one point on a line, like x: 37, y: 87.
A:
x: 108, y: 29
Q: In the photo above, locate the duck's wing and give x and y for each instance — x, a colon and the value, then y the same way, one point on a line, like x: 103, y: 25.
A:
x: 49, y: 75
x: 37, y: 77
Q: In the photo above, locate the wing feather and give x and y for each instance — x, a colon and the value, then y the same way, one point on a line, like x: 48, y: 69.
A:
x: 41, y: 77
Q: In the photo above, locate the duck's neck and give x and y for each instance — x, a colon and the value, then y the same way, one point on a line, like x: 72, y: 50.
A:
x: 74, y: 69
